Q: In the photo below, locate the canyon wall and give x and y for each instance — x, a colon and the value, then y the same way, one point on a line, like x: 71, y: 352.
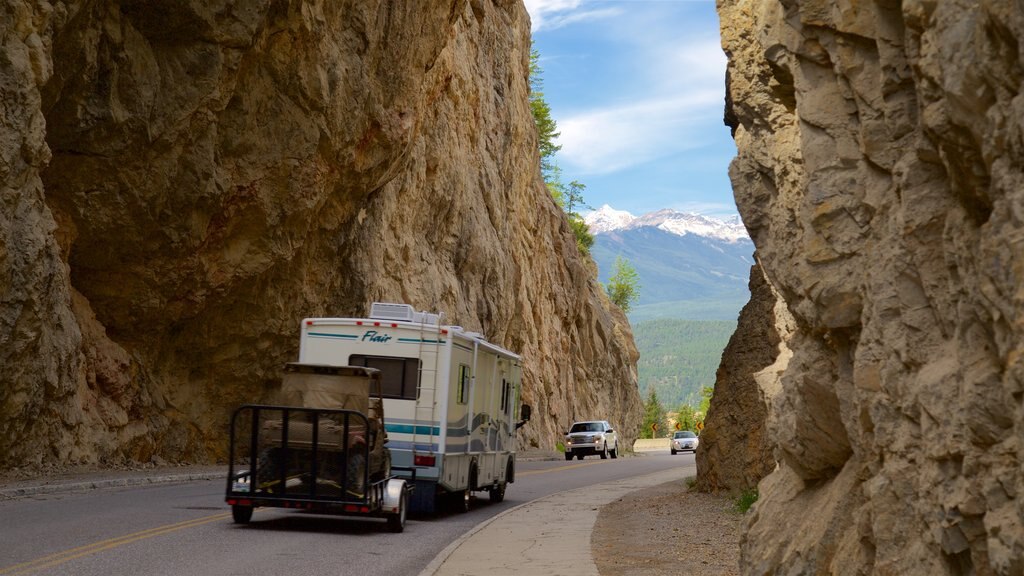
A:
x: 881, y: 175
x: 735, y: 450
x: 183, y: 182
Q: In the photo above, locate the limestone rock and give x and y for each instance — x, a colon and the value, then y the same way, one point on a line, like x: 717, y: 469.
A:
x: 735, y: 451
x: 183, y: 182
x: 881, y: 175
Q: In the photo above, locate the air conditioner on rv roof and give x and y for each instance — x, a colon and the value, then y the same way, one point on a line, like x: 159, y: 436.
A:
x: 387, y: 311
x: 402, y: 313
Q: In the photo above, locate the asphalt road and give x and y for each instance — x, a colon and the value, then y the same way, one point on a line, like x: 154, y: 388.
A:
x: 187, y: 528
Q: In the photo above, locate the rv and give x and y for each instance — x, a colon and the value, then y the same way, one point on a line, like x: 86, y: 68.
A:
x: 450, y: 398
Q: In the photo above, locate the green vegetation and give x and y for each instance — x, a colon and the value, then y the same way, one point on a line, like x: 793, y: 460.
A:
x: 569, y: 198
x: 679, y: 358
x: 686, y: 417
x: 745, y: 500
x: 546, y: 125
x: 624, y: 285
x: 654, y: 413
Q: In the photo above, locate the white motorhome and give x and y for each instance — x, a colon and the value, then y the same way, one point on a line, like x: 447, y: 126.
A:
x: 450, y: 397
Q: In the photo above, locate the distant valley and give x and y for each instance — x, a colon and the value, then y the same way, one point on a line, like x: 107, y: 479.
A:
x: 693, y: 273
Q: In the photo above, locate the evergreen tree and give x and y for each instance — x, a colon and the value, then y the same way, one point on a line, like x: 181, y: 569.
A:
x: 624, y: 285
x: 547, y: 128
x: 654, y: 414
x: 686, y: 419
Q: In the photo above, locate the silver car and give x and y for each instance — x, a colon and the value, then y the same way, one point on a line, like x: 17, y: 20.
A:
x: 591, y: 437
x: 684, y: 440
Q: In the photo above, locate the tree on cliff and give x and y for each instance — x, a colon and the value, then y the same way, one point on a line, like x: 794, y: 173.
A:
x: 624, y: 285
x: 567, y: 197
x: 654, y: 415
x: 546, y: 125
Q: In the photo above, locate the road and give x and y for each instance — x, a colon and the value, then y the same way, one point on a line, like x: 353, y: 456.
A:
x: 187, y: 529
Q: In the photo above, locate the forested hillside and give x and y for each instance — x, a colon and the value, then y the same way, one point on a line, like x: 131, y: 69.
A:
x: 679, y: 357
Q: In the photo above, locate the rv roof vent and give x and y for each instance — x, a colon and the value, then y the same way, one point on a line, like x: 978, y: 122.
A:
x: 387, y: 311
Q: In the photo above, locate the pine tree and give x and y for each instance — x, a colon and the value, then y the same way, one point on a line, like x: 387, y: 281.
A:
x: 654, y: 423
x: 624, y: 285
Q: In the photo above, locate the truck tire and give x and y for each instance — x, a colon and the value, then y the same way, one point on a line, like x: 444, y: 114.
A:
x: 241, y: 514
x: 568, y: 455
x: 614, y: 452
x: 604, y: 452
x: 396, y: 522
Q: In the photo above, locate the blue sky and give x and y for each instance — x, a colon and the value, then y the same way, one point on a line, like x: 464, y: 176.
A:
x: 637, y: 88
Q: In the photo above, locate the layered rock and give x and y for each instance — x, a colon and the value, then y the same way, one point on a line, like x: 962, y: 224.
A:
x: 184, y: 181
x: 880, y: 175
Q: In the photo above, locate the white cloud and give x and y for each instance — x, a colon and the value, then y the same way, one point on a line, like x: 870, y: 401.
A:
x: 609, y: 139
x: 554, y: 14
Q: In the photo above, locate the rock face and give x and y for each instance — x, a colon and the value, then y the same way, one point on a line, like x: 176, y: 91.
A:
x: 184, y: 181
x: 735, y: 450
x: 881, y: 175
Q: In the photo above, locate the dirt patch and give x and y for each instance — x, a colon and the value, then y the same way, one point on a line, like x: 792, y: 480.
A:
x: 667, y: 530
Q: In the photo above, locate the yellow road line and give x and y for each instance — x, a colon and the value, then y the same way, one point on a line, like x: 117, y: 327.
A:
x: 57, y: 558
x: 558, y: 469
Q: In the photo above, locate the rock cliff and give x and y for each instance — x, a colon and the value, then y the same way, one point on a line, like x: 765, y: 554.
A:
x: 881, y: 175
x: 184, y: 181
x: 735, y: 449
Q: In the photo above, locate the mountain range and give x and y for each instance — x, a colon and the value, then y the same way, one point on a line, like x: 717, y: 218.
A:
x: 689, y: 266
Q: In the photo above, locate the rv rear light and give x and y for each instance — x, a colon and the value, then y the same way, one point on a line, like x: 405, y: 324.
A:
x: 424, y: 460
x: 376, y: 323
x: 394, y: 325
x: 309, y: 322
x: 359, y: 322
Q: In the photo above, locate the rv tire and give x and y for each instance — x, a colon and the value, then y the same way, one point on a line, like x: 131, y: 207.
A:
x: 498, y: 492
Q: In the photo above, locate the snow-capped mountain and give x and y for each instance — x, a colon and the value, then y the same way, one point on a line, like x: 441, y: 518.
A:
x: 689, y: 266
x: 607, y: 219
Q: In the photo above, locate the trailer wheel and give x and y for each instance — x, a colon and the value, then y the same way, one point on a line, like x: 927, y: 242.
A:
x: 396, y: 522
x: 241, y: 514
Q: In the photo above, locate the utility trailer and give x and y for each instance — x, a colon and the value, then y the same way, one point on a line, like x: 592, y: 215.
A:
x: 321, y: 450
x: 451, y: 398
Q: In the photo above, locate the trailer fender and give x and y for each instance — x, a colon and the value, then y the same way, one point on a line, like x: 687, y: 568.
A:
x: 393, y: 495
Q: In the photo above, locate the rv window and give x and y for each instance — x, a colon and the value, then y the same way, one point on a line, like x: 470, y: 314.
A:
x: 463, y: 394
x: 398, y: 375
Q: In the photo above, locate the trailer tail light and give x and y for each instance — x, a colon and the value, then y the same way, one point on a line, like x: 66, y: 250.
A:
x: 424, y: 460
x: 242, y: 502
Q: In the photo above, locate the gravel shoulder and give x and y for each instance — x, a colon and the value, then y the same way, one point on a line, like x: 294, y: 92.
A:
x: 667, y: 530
